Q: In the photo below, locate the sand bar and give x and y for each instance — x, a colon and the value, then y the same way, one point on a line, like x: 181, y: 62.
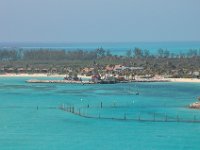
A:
x: 31, y: 75
x: 38, y: 75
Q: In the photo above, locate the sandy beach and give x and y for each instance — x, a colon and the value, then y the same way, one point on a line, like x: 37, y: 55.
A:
x: 192, y: 80
x: 88, y: 77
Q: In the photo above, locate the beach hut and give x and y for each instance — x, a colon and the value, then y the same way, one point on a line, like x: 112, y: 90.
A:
x: 118, y: 68
x: 196, y: 74
x: 36, y: 70
x: 44, y: 70
x: 10, y: 70
x: 87, y: 71
x: 109, y: 68
x: 53, y: 70
x: 21, y: 70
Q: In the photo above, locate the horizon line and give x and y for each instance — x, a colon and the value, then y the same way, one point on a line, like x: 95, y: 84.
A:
x: 61, y: 42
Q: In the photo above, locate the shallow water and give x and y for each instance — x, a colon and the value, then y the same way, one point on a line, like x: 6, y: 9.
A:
x: 23, y: 126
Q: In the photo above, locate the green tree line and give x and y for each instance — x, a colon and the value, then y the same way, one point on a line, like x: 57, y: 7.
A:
x: 100, y: 53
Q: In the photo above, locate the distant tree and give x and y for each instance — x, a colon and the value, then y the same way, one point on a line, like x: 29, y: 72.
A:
x: 160, y: 52
x: 146, y: 53
x: 100, y: 52
x: 8, y: 55
x: 108, y: 53
x: 128, y: 53
x: 166, y: 54
x: 192, y: 53
x: 138, y: 53
x: 181, y: 55
x: 199, y: 53
x: 172, y: 55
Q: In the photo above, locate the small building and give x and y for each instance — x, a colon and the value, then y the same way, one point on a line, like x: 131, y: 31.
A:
x: 109, y: 68
x: 53, y: 70
x: 87, y: 71
x: 123, y: 68
x: 36, y: 70
x: 136, y: 68
x: 44, y: 70
x: 118, y: 68
x: 196, y: 74
x: 10, y: 70
x: 21, y: 70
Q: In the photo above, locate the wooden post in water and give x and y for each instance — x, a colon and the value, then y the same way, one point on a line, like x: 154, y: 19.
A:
x: 70, y: 109
x: 124, y: 116
x: 101, y: 105
x: 177, y: 118
x: 74, y: 109
x: 63, y: 106
x: 165, y: 117
x: 139, y: 117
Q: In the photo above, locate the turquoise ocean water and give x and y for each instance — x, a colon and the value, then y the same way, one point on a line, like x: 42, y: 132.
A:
x: 115, y: 48
x: 24, y: 127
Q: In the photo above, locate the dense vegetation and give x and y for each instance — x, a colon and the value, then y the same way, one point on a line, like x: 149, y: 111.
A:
x: 164, y: 62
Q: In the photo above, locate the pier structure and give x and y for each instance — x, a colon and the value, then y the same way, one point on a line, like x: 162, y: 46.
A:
x: 59, y: 81
x: 91, y: 82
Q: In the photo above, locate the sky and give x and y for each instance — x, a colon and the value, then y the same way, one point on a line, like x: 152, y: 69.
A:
x: 99, y: 20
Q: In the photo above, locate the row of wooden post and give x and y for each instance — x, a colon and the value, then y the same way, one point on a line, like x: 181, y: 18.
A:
x: 72, y: 110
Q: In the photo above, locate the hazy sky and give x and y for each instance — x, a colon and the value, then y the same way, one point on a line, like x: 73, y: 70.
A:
x: 99, y: 20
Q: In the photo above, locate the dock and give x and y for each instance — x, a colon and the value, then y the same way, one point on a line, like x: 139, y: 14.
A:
x: 91, y: 82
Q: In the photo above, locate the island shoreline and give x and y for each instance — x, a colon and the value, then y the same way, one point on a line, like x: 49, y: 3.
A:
x: 11, y: 75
